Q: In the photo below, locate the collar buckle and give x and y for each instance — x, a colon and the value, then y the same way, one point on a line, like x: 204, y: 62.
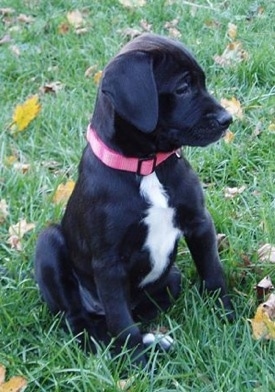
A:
x: 152, y: 159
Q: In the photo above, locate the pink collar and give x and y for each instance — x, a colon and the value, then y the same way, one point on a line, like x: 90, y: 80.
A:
x: 111, y: 158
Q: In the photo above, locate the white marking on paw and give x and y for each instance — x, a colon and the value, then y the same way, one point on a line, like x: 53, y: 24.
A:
x: 162, y: 233
x: 164, y: 341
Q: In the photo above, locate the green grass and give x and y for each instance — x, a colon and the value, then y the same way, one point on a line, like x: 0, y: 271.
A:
x: 209, y: 355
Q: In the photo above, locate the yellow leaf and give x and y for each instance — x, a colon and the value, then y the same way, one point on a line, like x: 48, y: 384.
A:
x: 263, y: 325
x: 63, y: 192
x: 271, y: 127
x: 10, y: 160
x: 97, y: 77
x: 233, y: 106
x: 25, y: 113
x: 15, y: 384
x: 229, y: 137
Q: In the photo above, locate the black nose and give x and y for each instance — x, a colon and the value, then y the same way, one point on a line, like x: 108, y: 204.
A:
x: 224, y: 119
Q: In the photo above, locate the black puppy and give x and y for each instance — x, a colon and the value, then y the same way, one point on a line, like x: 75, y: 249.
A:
x: 109, y: 264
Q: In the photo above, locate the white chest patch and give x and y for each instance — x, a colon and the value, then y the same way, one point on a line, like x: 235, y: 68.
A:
x: 162, y: 233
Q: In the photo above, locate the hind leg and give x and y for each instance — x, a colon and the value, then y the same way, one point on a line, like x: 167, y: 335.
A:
x: 59, y: 287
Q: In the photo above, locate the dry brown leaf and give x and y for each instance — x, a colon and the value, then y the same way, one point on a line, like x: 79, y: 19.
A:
x: 264, y: 287
x: 7, y: 11
x: 63, y: 192
x: 233, y: 106
x: 15, y: 384
x: 21, y: 228
x: 25, y: 113
x: 233, y: 54
x: 222, y: 242
x: 15, y: 50
x: 232, y: 31
x: 25, y: 18
x: 172, y: 28
x: 22, y: 167
x: 53, y: 87
x: 4, y: 210
x: 263, y: 324
x: 229, y: 137
x: 124, y: 385
x: 132, y: 3
x: 266, y: 253
x: 145, y: 25
x: 75, y: 18
x: 16, y: 233
x: 229, y: 193
x: 63, y: 28
x: 5, y: 39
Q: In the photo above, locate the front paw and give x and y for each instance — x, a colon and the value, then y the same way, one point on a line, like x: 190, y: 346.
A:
x: 165, y: 342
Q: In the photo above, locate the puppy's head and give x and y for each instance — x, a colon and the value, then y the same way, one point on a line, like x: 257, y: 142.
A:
x: 159, y: 101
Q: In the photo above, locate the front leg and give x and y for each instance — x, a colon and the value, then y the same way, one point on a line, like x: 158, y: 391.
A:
x: 201, y: 240
x: 112, y: 286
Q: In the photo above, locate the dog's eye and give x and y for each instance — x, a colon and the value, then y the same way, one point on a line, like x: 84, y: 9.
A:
x: 182, y: 89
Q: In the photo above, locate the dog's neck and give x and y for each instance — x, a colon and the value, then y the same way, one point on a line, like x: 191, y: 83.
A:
x: 115, y: 160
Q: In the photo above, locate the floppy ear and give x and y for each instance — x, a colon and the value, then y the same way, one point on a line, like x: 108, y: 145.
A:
x: 129, y: 83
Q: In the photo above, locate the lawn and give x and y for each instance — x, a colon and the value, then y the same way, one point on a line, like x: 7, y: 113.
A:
x: 42, y: 53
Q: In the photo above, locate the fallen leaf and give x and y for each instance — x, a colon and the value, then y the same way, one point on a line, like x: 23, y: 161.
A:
x: 7, y: 11
x: 229, y: 193
x: 15, y: 384
x: 132, y: 3
x: 233, y: 106
x: 222, y: 242
x: 90, y: 71
x: 97, y: 77
x: 263, y: 325
x: 4, y: 210
x: 271, y: 127
x: 264, y: 287
x: 5, y: 39
x: 130, y: 33
x: 53, y: 87
x: 25, y: 18
x: 63, y: 28
x: 16, y: 233
x: 145, y: 25
x: 124, y: 385
x: 22, y: 167
x: 75, y: 18
x: 267, y: 253
x: 232, y: 31
x: 233, y: 53
x: 26, y: 112
x: 172, y: 28
x: 229, y: 137
x: 15, y: 50
x: 63, y: 192
x: 258, y: 129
